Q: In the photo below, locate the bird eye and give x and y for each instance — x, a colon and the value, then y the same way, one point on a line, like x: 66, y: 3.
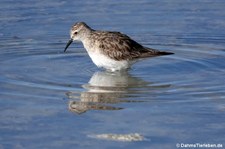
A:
x: 75, y: 33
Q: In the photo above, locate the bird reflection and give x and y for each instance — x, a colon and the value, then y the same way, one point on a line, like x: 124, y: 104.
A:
x: 105, y: 91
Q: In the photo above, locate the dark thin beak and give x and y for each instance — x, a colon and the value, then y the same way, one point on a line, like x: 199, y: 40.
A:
x: 68, y: 44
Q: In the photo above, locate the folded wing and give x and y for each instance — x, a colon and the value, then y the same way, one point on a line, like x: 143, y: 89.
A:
x: 119, y: 46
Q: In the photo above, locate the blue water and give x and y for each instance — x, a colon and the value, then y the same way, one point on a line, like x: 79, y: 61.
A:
x: 51, y: 99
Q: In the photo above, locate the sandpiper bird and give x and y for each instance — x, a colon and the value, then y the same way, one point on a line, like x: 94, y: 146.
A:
x: 111, y: 50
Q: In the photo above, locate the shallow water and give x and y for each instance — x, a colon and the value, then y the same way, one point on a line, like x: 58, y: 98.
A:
x: 51, y: 99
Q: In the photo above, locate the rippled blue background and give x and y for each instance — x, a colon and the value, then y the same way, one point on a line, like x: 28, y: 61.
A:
x: 173, y: 99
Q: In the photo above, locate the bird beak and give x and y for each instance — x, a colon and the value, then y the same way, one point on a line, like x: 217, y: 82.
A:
x: 68, y: 44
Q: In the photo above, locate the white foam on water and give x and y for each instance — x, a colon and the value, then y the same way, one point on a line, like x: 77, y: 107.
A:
x: 131, y: 137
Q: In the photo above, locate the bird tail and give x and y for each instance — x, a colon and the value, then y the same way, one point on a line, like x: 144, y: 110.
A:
x: 148, y: 52
x: 164, y: 53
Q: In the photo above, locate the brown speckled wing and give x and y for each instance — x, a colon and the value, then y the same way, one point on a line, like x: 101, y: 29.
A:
x: 121, y: 47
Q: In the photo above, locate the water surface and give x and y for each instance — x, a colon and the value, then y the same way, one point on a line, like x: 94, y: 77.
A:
x: 51, y: 99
